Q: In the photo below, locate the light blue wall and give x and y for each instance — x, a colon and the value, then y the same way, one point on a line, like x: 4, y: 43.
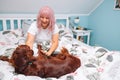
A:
x: 105, y: 23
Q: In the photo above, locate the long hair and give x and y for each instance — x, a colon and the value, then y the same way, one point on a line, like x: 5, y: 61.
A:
x: 47, y: 11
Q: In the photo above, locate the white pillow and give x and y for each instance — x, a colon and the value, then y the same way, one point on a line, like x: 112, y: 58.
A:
x: 61, y: 28
x: 10, y: 37
x: 64, y: 32
x: 25, y: 26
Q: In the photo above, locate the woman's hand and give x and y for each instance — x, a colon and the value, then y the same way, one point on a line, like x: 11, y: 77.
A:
x: 46, y: 53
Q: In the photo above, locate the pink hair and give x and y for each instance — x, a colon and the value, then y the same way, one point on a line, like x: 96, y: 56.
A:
x: 47, y: 11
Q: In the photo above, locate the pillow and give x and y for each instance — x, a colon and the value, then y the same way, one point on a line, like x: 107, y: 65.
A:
x: 7, y: 50
x: 10, y: 37
x: 61, y: 28
x: 25, y: 26
x: 16, y: 32
x: 64, y: 32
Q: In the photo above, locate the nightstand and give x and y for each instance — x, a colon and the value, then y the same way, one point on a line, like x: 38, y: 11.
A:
x: 82, y: 33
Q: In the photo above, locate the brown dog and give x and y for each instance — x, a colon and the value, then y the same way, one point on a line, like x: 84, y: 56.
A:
x: 42, y: 65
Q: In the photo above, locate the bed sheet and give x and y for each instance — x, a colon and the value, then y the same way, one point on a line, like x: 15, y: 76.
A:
x: 97, y: 63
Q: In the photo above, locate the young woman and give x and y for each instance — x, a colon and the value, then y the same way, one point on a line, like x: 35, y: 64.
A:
x: 44, y: 29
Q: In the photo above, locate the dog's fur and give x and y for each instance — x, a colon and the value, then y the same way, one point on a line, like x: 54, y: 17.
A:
x: 43, y: 66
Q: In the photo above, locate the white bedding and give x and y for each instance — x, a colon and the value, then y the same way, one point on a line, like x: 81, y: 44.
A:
x: 97, y: 63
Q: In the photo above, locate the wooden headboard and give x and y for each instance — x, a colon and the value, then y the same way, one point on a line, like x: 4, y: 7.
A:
x: 13, y: 21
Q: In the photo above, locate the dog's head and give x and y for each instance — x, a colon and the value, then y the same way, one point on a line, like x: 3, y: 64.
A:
x: 21, y: 56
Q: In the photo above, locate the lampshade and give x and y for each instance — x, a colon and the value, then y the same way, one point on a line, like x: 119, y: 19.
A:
x: 76, y: 20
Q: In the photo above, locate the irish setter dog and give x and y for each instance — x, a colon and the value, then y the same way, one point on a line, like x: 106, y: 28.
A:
x: 43, y: 66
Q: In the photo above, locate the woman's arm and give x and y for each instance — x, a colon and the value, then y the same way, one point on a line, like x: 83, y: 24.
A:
x: 30, y: 40
x: 54, y: 44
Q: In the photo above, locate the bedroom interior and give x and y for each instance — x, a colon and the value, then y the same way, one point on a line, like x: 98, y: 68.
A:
x: 93, y: 16
x: 98, y: 46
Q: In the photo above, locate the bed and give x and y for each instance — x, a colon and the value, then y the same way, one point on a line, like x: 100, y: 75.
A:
x: 97, y: 63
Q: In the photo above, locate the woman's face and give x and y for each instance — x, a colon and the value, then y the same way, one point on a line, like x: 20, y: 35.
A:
x: 44, y: 21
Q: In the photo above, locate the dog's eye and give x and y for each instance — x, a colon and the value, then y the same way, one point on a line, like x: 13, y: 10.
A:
x: 26, y: 57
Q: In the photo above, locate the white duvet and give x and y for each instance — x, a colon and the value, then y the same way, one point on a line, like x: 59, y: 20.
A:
x: 97, y: 63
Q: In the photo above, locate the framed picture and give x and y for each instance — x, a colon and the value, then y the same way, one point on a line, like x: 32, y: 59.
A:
x: 117, y: 5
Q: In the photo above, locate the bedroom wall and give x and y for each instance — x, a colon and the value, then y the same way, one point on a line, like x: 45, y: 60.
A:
x: 83, y: 21
x: 105, y: 23
x: 31, y: 6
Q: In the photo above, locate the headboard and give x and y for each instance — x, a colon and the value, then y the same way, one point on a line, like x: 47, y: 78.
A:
x: 14, y: 21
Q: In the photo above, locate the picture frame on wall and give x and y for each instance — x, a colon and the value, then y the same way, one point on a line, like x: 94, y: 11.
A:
x: 117, y: 5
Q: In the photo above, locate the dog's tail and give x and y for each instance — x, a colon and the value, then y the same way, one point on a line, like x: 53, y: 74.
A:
x: 64, y: 51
